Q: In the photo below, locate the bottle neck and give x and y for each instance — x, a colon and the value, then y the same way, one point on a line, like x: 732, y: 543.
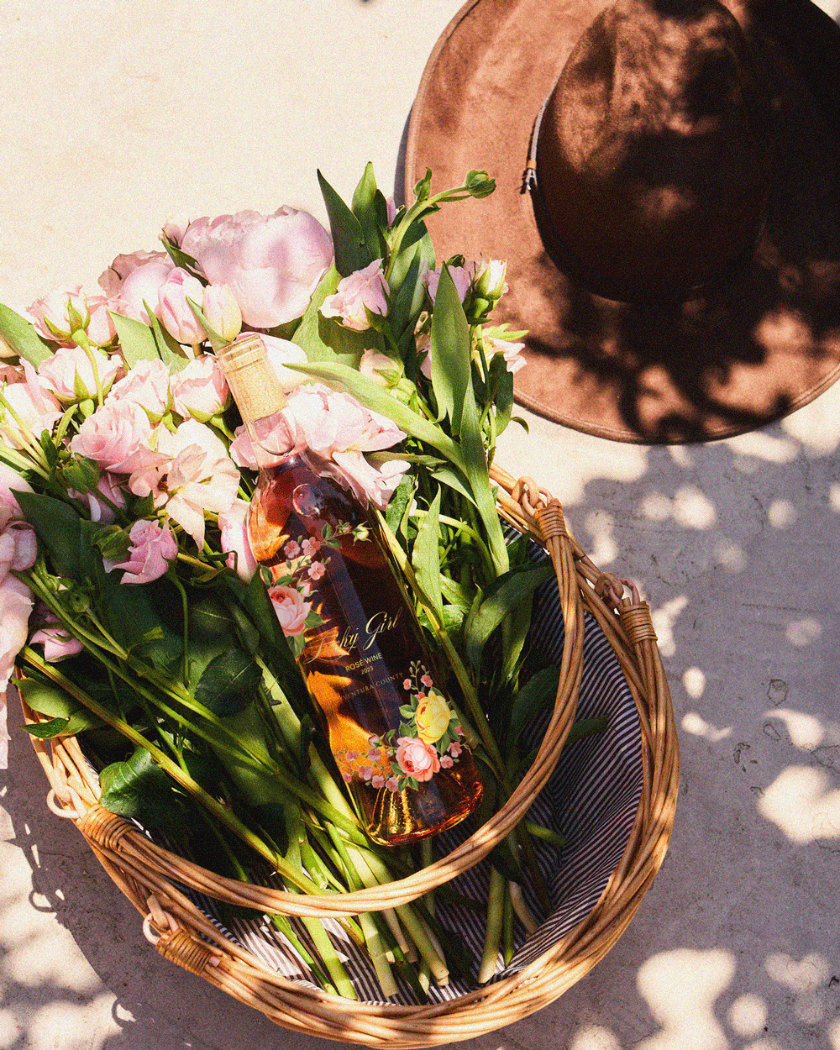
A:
x: 260, y: 400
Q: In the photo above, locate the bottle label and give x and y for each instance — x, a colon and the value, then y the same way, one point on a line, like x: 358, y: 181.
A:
x: 429, y: 738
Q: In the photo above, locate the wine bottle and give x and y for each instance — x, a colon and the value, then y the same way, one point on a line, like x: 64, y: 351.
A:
x: 394, y: 735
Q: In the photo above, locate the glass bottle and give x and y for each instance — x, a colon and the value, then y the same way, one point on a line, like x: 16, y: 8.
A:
x: 395, y: 737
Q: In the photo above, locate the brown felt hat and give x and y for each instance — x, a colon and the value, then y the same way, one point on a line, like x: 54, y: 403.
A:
x: 668, y: 201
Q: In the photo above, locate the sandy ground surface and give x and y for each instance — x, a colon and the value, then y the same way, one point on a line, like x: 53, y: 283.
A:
x: 115, y: 115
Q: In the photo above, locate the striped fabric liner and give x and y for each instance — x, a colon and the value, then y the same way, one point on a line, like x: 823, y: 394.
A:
x: 591, y: 799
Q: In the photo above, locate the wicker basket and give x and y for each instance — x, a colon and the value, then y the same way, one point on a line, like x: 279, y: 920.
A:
x: 154, y: 879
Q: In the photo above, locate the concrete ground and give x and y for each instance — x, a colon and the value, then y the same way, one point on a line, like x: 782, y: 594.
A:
x: 114, y: 115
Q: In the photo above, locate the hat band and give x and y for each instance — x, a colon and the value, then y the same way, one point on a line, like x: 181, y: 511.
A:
x: 567, y: 262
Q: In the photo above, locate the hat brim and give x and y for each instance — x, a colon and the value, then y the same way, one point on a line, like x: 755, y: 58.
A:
x: 757, y: 345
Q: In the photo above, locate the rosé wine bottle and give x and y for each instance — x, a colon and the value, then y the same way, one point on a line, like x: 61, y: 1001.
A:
x: 395, y: 737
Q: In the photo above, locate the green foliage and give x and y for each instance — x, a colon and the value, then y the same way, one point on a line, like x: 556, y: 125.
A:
x: 22, y: 337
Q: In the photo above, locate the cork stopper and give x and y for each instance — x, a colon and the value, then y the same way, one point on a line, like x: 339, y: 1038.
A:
x: 252, y: 381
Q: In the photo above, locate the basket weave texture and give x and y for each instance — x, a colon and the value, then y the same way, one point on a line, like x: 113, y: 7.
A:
x: 153, y: 878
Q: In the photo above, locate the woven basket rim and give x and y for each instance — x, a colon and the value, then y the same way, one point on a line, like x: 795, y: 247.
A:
x: 144, y: 871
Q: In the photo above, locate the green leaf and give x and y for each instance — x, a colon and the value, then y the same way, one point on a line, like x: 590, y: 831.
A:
x: 426, y: 558
x: 453, y: 480
x: 169, y: 350
x: 22, y: 337
x: 422, y: 189
x: 47, y: 700
x: 407, y: 297
x: 58, y: 528
x: 47, y: 730
x: 365, y: 209
x: 138, y: 789
x: 182, y: 259
x: 451, y: 367
x: 536, y: 695
x: 503, y: 595
x: 229, y: 682
x: 137, y: 340
x: 399, y: 502
x: 351, y: 250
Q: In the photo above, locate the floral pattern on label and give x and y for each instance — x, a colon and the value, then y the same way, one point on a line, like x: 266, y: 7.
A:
x: 429, y: 738
x: 291, y: 583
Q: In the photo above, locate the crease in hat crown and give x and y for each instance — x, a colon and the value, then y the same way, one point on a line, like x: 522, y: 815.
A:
x: 652, y: 151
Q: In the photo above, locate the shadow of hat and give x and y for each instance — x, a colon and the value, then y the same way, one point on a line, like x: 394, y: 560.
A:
x: 668, y: 201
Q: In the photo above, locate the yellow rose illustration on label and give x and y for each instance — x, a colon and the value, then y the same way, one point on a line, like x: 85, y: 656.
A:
x: 432, y: 717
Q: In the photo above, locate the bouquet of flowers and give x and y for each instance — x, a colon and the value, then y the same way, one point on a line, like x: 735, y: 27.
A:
x: 130, y: 603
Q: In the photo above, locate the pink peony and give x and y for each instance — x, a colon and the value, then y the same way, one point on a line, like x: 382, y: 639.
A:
x: 235, y: 540
x: 153, y: 547
x: 69, y: 373
x: 174, y: 310
x: 271, y: 263
x: 113, y: 436
x: 290, y: 608
x: 29, y: 409
x: 417, y: 759
x: 199, y: 390
x: 15, y: 607
x: 111, y: 281
x: 222, y: 311
x: 359, y: 292
x: 146, y: 385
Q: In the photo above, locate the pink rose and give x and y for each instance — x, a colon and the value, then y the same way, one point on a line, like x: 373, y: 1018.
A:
x: 103, y: 499
x: 290, y: 608
x: 51, y: 314
x: 113, y: 435
x: 200, y: 390
x: 271, y: 263
x: 18, y: 547
x: 222, y: 311
x: 417, y: 759
x: 192, y: 475
x: 235, y: 540
x: 15, y: 607
x: 141, y: 286
x: 100, y: 328
x: 69, y: 373
x: 175, y: 312
x: 57, y: 643
x: 146, y: 385
x: 359, y: 292
x: 461, y: 278
x: 175, y: 227
x: 153, y: 547
x: 30, y: 409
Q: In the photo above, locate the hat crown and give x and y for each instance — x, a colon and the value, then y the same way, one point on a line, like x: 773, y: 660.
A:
x: 653, y: 151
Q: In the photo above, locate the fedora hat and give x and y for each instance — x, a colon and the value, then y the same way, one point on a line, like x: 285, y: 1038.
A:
x: 668, y: 202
